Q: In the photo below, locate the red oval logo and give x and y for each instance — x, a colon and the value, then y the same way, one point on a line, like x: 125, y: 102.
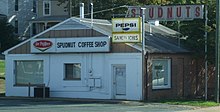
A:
x: 43, y: 45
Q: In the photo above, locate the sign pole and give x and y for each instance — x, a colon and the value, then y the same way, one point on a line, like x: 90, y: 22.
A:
x: 217, y: 52
x: 143, y: 53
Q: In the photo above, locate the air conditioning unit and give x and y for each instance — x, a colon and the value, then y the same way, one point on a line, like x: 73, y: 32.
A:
x: 38, y: 92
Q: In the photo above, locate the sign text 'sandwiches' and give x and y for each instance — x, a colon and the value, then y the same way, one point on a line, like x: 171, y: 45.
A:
x: 95, y: 44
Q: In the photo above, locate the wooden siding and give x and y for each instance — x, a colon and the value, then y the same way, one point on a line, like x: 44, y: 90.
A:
x: 115, y: 47
x: 23, y: 49
x: 123, y: 48
x: 71, y: 33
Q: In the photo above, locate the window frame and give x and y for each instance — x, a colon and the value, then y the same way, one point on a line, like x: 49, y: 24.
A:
x: 44, y: 8
x: 168, y: 86
x: 16, y: 83
x: 71, y: 79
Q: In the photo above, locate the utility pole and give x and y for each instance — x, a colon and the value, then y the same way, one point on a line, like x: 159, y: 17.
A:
x: 143, y: 52
x: 217, y: 51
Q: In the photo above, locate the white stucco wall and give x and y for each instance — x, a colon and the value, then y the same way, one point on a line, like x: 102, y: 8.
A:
x: 99, y: 63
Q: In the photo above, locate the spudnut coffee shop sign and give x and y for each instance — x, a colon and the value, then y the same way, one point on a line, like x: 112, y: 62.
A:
x: 56, y: 45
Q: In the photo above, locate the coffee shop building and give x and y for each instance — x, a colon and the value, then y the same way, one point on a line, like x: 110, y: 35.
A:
x: 77, y: 59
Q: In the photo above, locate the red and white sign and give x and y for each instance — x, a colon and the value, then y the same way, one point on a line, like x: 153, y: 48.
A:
x: 42, y: 45
x: 168, y: 13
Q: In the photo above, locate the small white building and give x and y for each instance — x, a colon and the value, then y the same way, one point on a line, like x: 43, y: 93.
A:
x: 76, y: 60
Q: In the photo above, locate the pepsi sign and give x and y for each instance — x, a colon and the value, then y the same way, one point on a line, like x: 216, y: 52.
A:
x: 121, y: 25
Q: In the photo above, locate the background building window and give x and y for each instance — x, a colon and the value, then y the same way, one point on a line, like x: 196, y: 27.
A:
x: 161, y: 73
x: 16, y: 26
x: 28, y: 72
x: 46, y: 8
x: 34, y: 6
x: 72, y: 71
x: 16, y: 5
x: 34, y: 29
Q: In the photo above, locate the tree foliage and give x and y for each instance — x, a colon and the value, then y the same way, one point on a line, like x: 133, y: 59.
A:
x: 7, y: 37
x: 194, y: 30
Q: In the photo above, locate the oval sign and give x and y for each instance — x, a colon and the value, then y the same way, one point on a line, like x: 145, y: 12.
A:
x: 43, y: 45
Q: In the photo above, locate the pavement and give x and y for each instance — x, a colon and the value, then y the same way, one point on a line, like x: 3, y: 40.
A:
x: 51, y: 104
x: 207, y: 109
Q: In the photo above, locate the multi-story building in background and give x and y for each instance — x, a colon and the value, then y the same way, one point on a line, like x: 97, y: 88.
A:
x: 30, y: 17
x: 4, y: 7
x: 49, y: 13
x: 19, y: 13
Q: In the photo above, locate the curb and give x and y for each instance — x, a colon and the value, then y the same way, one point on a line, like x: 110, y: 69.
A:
x: 100, y: 101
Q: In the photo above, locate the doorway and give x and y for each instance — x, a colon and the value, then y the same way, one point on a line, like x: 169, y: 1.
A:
x: 119, y: 81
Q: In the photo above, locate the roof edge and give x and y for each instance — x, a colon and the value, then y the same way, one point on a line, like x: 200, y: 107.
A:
x: 8, y: 50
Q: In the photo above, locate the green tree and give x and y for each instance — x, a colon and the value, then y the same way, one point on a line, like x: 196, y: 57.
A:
x: 195, y: 29
x: 7, y: 36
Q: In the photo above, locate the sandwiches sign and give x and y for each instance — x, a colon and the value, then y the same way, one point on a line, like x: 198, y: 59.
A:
x: 59, y: 45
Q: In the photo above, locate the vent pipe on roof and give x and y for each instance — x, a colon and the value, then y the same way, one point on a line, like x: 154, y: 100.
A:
x: 91, y: 14
x: 81, y: 10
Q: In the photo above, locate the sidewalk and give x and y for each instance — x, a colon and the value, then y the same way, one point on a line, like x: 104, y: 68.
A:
x: 206, y: 109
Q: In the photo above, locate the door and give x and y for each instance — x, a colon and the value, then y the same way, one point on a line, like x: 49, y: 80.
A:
x: 119, y: 81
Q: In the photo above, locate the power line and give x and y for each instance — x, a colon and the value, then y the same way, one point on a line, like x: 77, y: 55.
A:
x: 96, y: 12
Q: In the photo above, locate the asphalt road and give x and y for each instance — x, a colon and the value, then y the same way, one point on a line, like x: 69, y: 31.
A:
x: 72, y: 106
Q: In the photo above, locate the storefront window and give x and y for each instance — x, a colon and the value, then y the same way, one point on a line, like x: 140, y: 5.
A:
x: 28, y: 72
x: 72, y: 71
x: 161, y: 74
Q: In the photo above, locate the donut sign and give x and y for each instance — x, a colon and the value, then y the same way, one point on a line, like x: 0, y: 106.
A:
x: 42, y: 45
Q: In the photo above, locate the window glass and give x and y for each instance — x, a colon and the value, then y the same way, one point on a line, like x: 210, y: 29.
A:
x: 16, y: 5
x: 46, y: 8
x: 72, y: 71
x: 161, y: 73
x: 16, y: 26
x: 28, y: 72
x: 34, y: 6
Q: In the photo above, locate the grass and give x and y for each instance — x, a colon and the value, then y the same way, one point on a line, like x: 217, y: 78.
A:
x: 198, y: 103
x: 2, y: 87
x: 2, y: 82
x: 2, y: 67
